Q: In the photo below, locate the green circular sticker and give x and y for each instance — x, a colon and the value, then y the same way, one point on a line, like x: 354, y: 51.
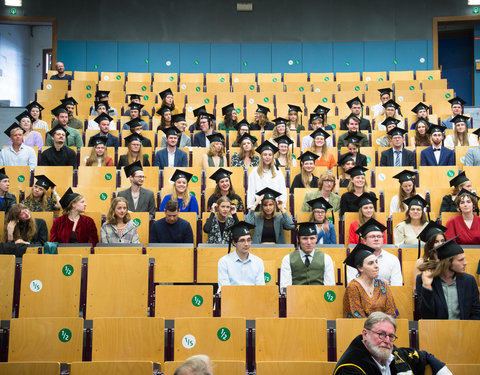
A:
x: 89, y: 87
x: 412, y: 88
x: 207, y: 101
x: 265, y: 99
x: 245, y: 63
x: 293, y: 156
x: 146, y: 61
x: 297, y: 62
x: 301, y: 89
x: 326, y: 79
x: 103, y: 196
x: 137, y: 222
x: 450, y: 173
x: 67, y: 270
x: 324, y: 100
x: 347, y: 63
x: 395, y: 61
x: 448, y: 96
x: 223, y: 334
x: 196, y: 62
x: 89, y: 95
x: 251, y: 87
x: 274, y: 80
x: 65, y: 335
x: 194, y: 179
x: 430, y: 78
x: 222, y: 79
x: 21, y: 178
x: 144, y: 88
x: 197, y: 300
x: 108, y: 176
x: 267, y: 277
x: 119, y: 77
x: 238, y: 110
x: 333, y: 126
x: 357, y: 88
x: 197, y: 89
x: 369, y: 159
x: 170, y: 78
x: 329, y: 296
x: 475, y: 10
x: 380, y: 79
x: 193, y: 193
x: 145, y: 97
x: 95, y: 66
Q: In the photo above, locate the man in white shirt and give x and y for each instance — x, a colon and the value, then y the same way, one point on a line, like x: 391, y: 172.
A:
x: 389, y: 266
x: 385, y: 96
x: 17, y: 154
x: 316, y: 122
x: 306, y: 266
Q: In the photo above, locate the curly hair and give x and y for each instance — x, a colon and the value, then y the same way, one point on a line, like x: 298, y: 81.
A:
x: 111, y: 217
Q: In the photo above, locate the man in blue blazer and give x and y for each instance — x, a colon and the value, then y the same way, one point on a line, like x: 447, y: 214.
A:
x: 397, y: 155
x: 452, y: 285
x: 206, y: 128
x: 171, y: 156
x: 457, y: 109
x: 103, y: 121
x: 436, y: 154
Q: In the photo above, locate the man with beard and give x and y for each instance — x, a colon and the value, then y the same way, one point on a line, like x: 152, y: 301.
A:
x: 373, y: 352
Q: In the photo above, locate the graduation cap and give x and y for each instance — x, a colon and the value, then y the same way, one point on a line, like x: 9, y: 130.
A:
x: 385, y: 90
x: 133, y: 137
x: 391, y: 104
x: 239, y: 229
x: 3, y: 174
x: 306, y: 228
x: 216, y: 137
x: 198, y: 111
x: 241, y: 123
x: 457, y: 100
x: 262, y: 109
x: 423, y: 121
x: 68, y: 197
x: 321, y: 110
x: 59, y: 109
x: 132, y: 168
x: 280, y: 120
x: 220, y: 174
x: 228, y: 109
x: 179, y: 117
x: 358, y: 170
x: 316, y: 116
x: 365, y: 199
x: 448, y: 249
x: 432, y: 229
x: 166, y: 92
x: 419, y: 107
x: 355, y: 100
x: 135, y: 123
x: 433, y: 128
x: 163, y: 109
x: 267, y: 145
x: 100, y: 103
x: 69, y: 101
x: 98, y: 140
x: 472, y: 195
x: 345, y: 158
x: 477, y: 132
x: 268, y: 193
x: 319, y: 203
x: 358, y: 255
x: 459, y: 179
x: 206, y: 115
x: 307, y: 156
x: 416, y: 200
x: 352, y: 138
x: 101, y: 94
x: 405, y: 175
x: 34, y: 104
x: 133, y: 105
x: 319, y: 132
x: 460, y: 118
x: 252, y: 138
x: 389, y: 121
x: 181, y: 174
x: 134, y: 96
x: 103, y: 116
x: 12, y: 127
x: 44, y: 182
x: 284, y: 139
x: 294, y: 108
x: 172, y: 130
x: 352, y: 116
x: 397, y: 131
x: 371, y: 225
x: 58, y: 127
x: 24, y: 114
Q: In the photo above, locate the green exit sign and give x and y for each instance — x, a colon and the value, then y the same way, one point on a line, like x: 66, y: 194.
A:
x: 475, y: 10
x: 13, y: 11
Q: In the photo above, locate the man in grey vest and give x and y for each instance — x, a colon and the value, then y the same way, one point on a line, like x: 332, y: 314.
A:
x: 306, y: 266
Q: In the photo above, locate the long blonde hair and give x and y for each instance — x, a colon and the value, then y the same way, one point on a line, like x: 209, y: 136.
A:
x: 261, y: 167
x: 30, y: 225
x: 323, y: 152
x: 111, y: 218
x: 242, y: 154
x: 43, y: 200
x: 276, y: 135
x: 351, y: 188
x: 262, y: 119
x: 289, y: 163
x: 460, y: 137
x: 402, y: 196
x: 306, y: 177
x: 130, y: 156
x: 93, y: 158
x: 212, y: 152
x: 361, y: 217
x: 186, y: 195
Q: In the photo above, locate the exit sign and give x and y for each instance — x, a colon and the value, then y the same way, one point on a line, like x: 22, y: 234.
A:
x: 13, y: 11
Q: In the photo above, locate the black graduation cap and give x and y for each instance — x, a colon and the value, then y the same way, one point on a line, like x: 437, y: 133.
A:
x: 133, y: 105
x: 419, y: 107
x: 132, y: 168
x: 135, y: 123
x: 284, y: 139
x: 306, y: 228
x: 391, y: 103
x: 163, y: 109
x: 181, y: 174
x: 389, y: 121
x: 59, y: 109
x: 262, y: 109
x: 252, y: 138
x: 100, y: 94
x: 448, y: 249
x: 319, y: 203
x: 385, y: 90
x: 465, y: 191
x: 228, y: 108
x: 11, y: 127
x: 358, y: 170
x: 166, y: 92
x: 416, y: 200
x: 397, y: 131
x: 178, y: 117
x: 58, y: 127
x: 44, y: 182
x: 198, y: 111
x: 103, y: 116
x: 206, y: 115
x: 280, y: 120
x: 294, y: 108
x: 239, y: 229
x: 460, y: 118
x: 316, y: 116
x: 69, y: 101
x: 356, y: 118
x: 307, y: 156
x: 319, y: 132
x: 345, y: 158
x: 267, y: 145
x: 358, y: 255
x: 459, y: 179
x: 423, y: 121
x: 477, y: 132
x: 216, y: 137
x: 432, y: 229
x: 355, y: 100
x: 98, y: 140
x: 172, y: 130
x: 34, y: 104
x: 405, y: 175
x: 100, y: 103
x: 241, y: 123
x: 365, y: 199
x: 321, y: 110
x: 433, y: 128
x: 370, y: 226
x: 133, y: 137
x: 457, y: 100
x: 67, y: 198
x: 134, y: 96
x: 220, y: 174
x: 352, y: 138
x: 3, y: 174
x: 268, y: 193
x: 24, y: 114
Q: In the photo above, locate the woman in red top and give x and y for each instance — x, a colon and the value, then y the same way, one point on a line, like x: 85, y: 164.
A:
x: 366, y: 211
x: 466, y: 225
x: 73, y: 226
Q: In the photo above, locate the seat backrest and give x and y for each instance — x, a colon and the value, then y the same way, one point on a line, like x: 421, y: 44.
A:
x: 262, y: 301
x: 30, y: 368
x: 220, y: 367
x: 7, y: 280
x: 60, y: 176
x: 291, y: 339
x: 50, y: 286
x: 294, y: 367
x: 183, y: 301
x: 315, y: 301
x: 117, y: 285
x: 113, y: 76
x: 114, y: 367
x: 98, y: 199
x: 49, y: 339
x: 166, y: 263
x: 207, y: 263
x: 403, y: 297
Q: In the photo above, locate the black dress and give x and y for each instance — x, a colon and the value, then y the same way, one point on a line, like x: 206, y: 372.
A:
x: 297, y: 182
x: 123, y: 161
x: 348, y: 202
x: 448, y: 204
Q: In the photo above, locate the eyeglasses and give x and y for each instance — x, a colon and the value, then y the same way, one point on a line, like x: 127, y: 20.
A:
x: 378, y: 237
x: 245, y: 240
x: 144, y: 177
x: 383, y: 335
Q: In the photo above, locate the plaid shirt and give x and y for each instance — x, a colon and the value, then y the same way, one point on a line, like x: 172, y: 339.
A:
x: 109, y: 233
